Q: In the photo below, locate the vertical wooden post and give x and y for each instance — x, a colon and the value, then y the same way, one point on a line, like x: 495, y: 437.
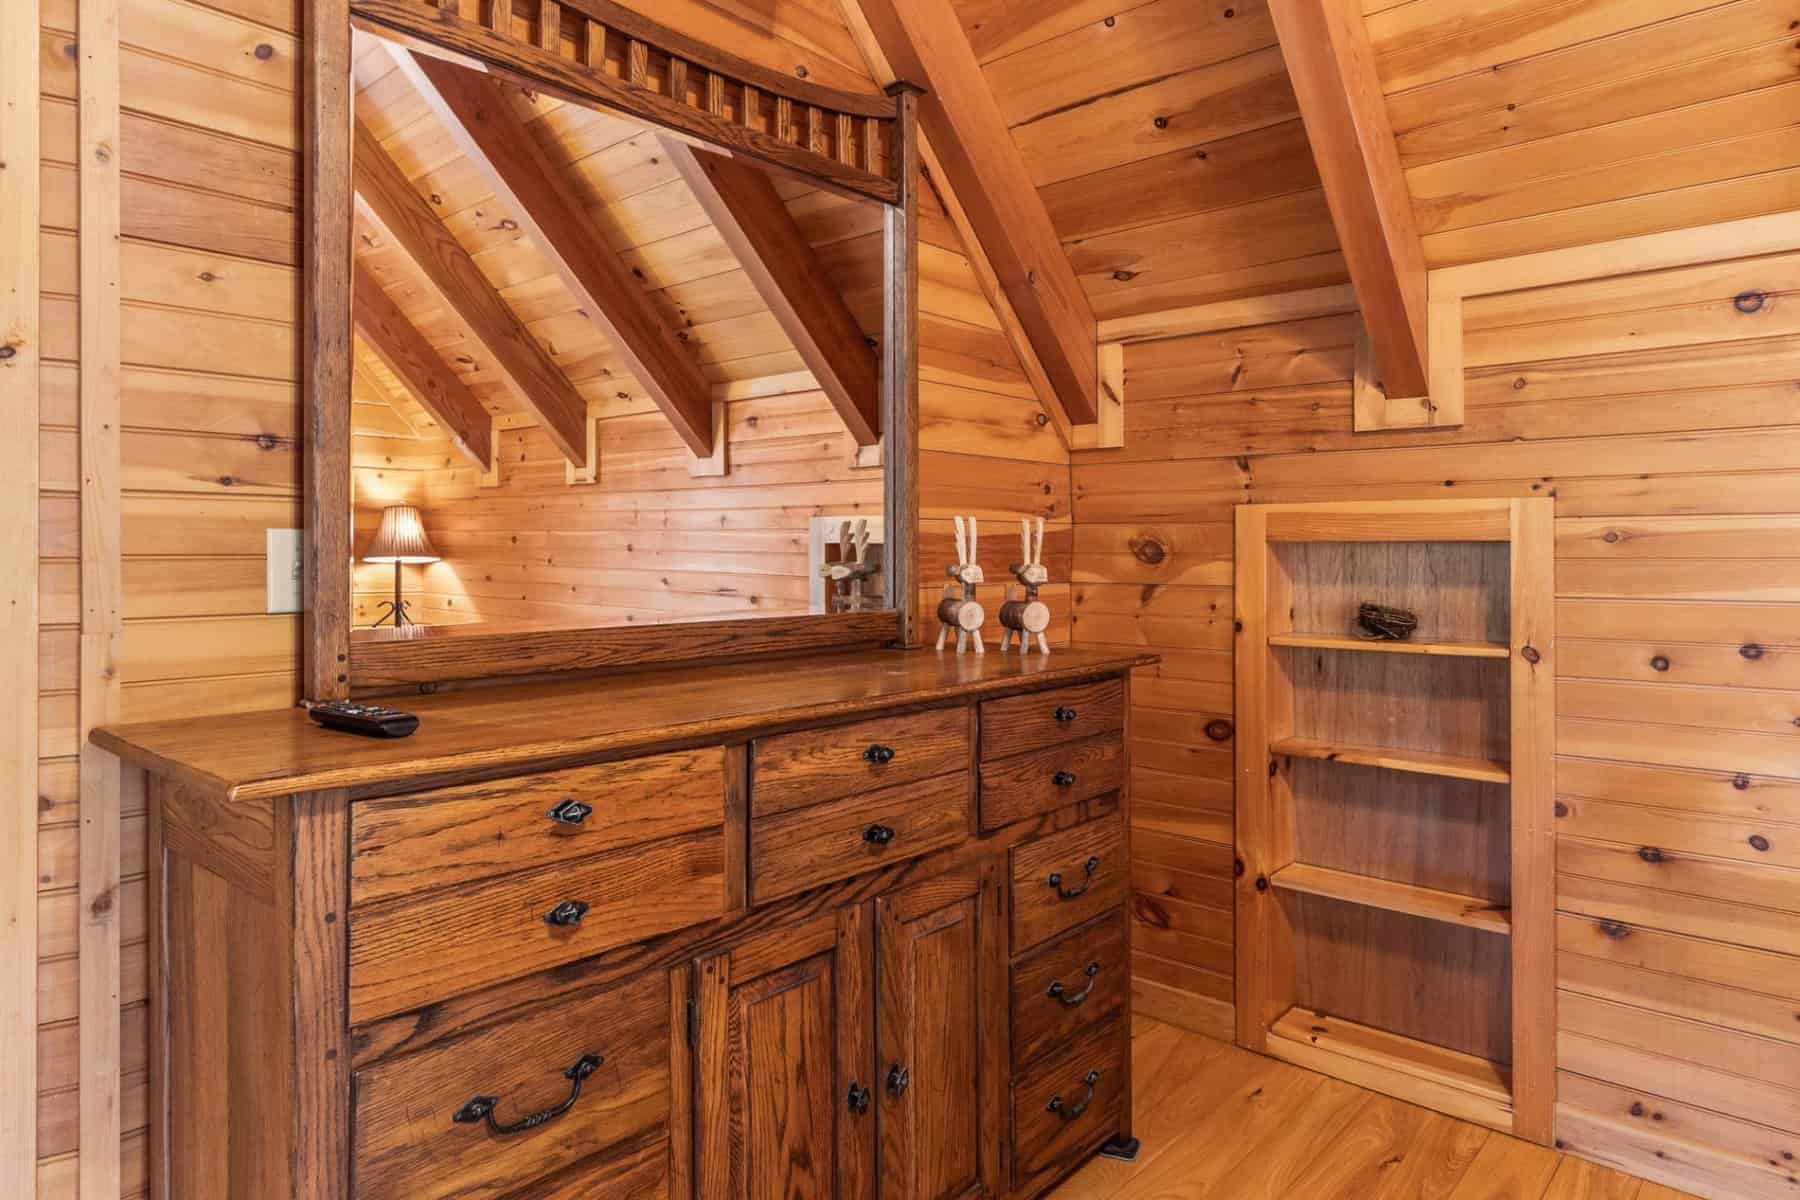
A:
x: 899, y: 368
x: 325, y: 345
x: 101, y: 599
x: 19, y: 286
x: 312, y: 901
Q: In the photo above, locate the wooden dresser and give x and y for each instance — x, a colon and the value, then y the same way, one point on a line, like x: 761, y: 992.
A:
x: 842, y: 926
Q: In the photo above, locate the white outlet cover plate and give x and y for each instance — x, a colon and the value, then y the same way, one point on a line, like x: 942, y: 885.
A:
x: 282, y: 563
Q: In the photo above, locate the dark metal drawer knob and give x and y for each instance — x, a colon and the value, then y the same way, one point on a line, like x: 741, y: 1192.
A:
x: 1064, y: 714
x: 878, y: 835
x: 481, y: 1108
x: 1087, y: 880
x: 568, y: 914
x: 878, y: 755
x: 857, y: 1098
x: 1072, y: 1112
x: 1063, y: 779
x: 1076, y: 999
x: 570, y: 812
x: 898, y: 1080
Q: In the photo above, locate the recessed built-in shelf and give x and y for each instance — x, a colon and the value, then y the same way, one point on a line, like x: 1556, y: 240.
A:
x: 1453, y: 908
x: 1328, y: 641
x: 1463, y: 1085
x: 1420, y: 762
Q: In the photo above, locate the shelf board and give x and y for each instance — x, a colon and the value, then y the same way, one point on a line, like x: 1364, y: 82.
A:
x: 1452, y: 908
x: 1437, y: 1077
x: 1420, y: 762
x: 1327, y: 641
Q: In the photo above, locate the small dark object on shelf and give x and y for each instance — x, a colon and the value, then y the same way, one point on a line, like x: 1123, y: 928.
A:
x: 1384, y: 624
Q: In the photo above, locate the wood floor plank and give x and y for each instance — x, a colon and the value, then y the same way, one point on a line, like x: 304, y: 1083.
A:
x: 1577, y: 1179
x: 1508, y: 1169
x: 1435, y: 1164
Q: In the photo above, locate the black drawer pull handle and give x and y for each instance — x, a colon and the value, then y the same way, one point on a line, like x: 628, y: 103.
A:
x: 878, y: 835
x: 878, y: 755
x: 481, y: 1108
x: 567, y: 915
x: 1064, y: 714
x: 1072, y: 1112
x: 1076, y: 999
x: 858, y: 1098
x: 1087, y: 880
x: 898, y: 1080
x: 1063, y: 779
x: 570, y: 812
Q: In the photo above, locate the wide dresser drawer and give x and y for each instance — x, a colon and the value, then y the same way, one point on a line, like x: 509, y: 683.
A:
x: 434, y: 839
x: 456, y: 1119
x: 812, y: 766
x: 793, y: 851
x: 1069, y: 1103
x: 1015, y: 724
x: 1067, y: 984
x: 415, y: 950
x: 1065, y: 879
x: 1027, y: 785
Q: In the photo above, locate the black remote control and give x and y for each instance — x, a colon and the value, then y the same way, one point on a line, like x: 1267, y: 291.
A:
x: 370, y: 720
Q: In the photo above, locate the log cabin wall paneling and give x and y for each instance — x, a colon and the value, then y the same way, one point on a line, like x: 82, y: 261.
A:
x: 1658, y: 410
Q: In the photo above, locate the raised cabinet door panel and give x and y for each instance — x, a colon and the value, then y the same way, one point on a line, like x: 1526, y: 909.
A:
x: 786, y: 1063
x: 941, y: 1028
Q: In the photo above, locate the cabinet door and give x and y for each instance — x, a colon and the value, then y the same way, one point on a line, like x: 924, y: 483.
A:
x: 785, y: 1059
x: 941, y: 1031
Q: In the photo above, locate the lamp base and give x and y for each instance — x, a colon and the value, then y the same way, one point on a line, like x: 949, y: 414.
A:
x: 395, y: 612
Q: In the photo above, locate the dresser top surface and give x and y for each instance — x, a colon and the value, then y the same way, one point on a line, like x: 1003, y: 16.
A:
x: 261, y: 756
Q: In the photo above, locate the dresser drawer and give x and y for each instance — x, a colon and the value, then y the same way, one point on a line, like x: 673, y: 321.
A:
x: 1067, y: 984
x: 1019, y: 723
x: 1027, y: 785
x: 793, y: 851
x: 417, y: 1133
x: 1069, y: 1103
x: 452, y: 835
x: 413, y: 951
x: 1062, y: 880
x: 811, y: 766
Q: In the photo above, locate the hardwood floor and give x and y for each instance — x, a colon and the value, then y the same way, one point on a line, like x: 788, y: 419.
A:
x: 1220, y: 1123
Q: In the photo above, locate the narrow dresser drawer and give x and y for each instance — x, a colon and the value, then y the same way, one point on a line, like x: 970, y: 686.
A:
x: 1067, y: 984
x: 1069, y: 1103
x: 442, y: 1122
x: 1065, y: 879
x: 811, y: 766
x: 452, y: 835
x: 415, y: 950
x: 1016, y: 724
x: 1027, y: 785
x: 793, y: 851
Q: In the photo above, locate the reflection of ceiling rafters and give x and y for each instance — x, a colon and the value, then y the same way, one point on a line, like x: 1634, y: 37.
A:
x: 371, y: 390
x: 750, y: 215
x: 476, y: 112
x: 386, y: 198
x: 404, y: 351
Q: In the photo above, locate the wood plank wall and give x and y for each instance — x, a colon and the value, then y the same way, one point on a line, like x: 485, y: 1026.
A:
x: 1659, y: 410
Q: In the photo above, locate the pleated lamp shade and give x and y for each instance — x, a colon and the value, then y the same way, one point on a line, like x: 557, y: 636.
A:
x: 401, y: 538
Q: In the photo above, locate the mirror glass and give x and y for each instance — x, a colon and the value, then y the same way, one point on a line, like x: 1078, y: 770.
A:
x: 554, y: 306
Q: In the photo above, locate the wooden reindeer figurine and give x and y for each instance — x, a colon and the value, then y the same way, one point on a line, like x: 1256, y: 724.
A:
x: 962, y: 613
x: 1026, y: 615
x: 848, y: 574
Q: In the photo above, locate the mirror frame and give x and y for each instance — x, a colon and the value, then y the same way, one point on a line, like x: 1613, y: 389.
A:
x: 334, y: 664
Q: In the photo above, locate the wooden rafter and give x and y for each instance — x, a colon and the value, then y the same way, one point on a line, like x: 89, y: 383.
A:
x: 924, y: 43
x: 386, y: 331
x: 385, y: 197
x: 1326, y: 46
x: 750, y: 215
x: 480, y: 118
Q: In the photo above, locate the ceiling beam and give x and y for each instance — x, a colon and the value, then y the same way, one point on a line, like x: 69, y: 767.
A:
x: 387, y: 199
x: 924, y: 43
x: 387, y: 332
x: 757, y: 226
x: 481, y: 119
x: 1332, y: 64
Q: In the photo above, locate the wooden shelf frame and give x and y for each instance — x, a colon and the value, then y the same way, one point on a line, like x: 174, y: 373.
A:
x: 1272, y: 1016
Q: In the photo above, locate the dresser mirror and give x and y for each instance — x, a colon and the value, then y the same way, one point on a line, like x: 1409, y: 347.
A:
x: 626, y: 328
